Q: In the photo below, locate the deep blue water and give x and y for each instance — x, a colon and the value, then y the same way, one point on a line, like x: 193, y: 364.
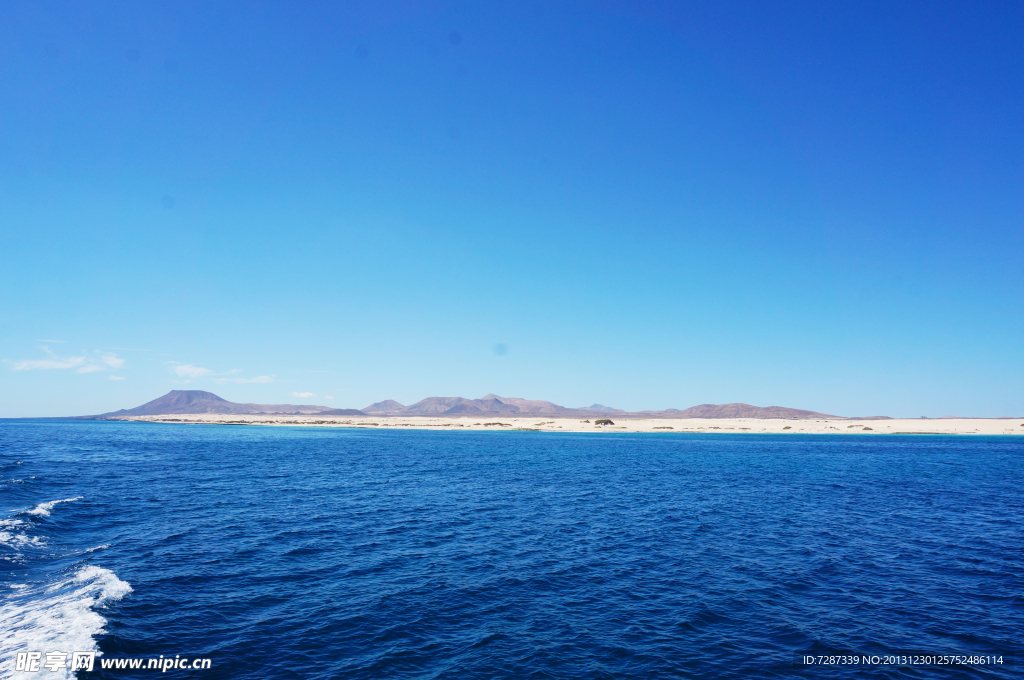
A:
x: 332, y: 553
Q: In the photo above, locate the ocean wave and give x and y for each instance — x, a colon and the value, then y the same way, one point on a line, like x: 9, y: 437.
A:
x: 43, y: 509
x: 57, y: 616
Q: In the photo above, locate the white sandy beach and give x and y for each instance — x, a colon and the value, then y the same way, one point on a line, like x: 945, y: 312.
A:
x: 978, y: 426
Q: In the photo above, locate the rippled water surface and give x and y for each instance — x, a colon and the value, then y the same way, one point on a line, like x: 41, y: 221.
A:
x: 330, y: 553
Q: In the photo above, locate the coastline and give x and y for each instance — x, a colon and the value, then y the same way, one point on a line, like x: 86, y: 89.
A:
x: 850, y: 426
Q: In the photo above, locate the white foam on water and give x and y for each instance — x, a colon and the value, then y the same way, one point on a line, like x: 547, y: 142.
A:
x: 17, y: 540
x: 43, y: 509
x: 12, y: 535
x: 57, y: 616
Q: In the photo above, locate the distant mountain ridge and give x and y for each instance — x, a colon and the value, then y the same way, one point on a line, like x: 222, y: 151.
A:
x: 197, y: 401
x: 490, y: 404
x: 493, y: 404
x: 743, y: 411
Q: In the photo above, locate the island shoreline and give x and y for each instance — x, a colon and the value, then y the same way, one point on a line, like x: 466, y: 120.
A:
x: 849, y: 426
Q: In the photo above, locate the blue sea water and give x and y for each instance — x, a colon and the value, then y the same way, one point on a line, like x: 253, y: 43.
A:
x: 340, y: 553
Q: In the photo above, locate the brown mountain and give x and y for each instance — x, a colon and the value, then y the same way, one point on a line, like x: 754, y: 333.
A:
x: 537, y: 407
x: 435, y: 406
x: 491, y: 404
x: 198, y: 401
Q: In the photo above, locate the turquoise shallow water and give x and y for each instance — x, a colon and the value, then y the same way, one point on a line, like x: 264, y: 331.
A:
x: 329, y: 553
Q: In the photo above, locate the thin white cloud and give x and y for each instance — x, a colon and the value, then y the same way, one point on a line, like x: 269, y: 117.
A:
x: 116, y: 377
x: 112, y: 360
x: 327, y: 396
x: 190, y: 371
x: 82, y: 364
x: 57, y: 341
x: 48, y: 364
x: 304, y: 395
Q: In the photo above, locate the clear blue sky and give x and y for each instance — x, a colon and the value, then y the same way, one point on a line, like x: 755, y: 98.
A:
x: 642, y: 204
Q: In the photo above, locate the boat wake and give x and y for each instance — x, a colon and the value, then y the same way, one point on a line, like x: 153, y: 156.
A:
x: 59, y: 612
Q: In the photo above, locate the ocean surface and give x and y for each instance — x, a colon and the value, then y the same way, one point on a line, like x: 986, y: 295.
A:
x: 335, y: 553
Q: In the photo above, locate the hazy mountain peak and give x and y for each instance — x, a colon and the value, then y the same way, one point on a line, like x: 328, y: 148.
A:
x: 386, y: 406
x: 737, y: 410
x: 599, y: 408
